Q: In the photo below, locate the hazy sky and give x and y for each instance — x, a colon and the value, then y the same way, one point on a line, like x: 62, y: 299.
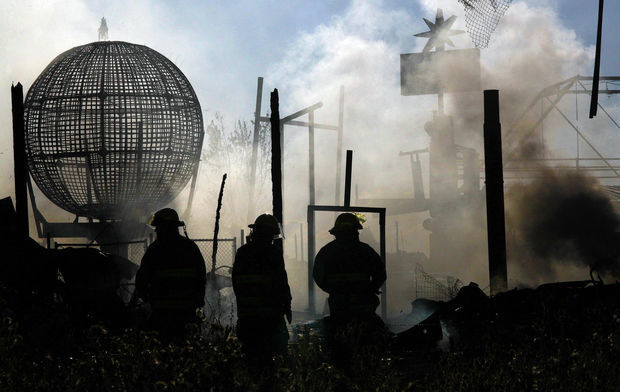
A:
x: 305, y: 49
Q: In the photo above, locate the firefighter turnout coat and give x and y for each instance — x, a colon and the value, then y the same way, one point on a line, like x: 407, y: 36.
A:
x: 352, y: 273
x: 260, y: 282
x: 172, y: 275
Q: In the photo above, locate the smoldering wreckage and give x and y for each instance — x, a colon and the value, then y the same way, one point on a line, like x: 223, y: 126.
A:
x: 87, y: 286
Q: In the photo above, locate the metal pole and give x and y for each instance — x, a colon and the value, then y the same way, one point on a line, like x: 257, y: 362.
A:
x: 139, y: 163
x: 190, y: 200
x: 311, y: 157
x: 242, y: 237
x: 301, y: 240
x: 259, y: 96
x: 397, y: 238
x: 339, y: 145
x: 347, y: 181
x: 440, y: 48
x: 295, y: 246
x: 416, y: 173
x: 440, y: 103
x: 494, y: 180
x: 19, y: 160
x: 597, y: 62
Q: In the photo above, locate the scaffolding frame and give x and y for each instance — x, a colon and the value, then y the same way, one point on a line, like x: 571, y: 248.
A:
x: 311, y: 125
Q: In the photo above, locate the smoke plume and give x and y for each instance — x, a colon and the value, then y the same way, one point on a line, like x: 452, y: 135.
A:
x: 562, y: 219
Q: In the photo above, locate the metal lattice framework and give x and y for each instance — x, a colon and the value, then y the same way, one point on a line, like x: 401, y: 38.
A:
x: 482, y: 17
x: 112, y: 128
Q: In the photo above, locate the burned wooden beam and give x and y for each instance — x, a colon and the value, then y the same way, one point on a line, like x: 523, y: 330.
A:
x: 347, y: 179
x: 597, y: 62
x: 276, y: 160
x: 20, y: 170
x: 494, y: 180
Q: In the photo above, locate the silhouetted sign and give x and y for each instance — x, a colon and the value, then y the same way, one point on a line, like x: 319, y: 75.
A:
x: 445, y: 71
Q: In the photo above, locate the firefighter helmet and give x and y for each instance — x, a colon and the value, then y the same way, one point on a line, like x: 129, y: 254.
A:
x: 346, y: 222
x: 166, y: 216
x: 266, y: 222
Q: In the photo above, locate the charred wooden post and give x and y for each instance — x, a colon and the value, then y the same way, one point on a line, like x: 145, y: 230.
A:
x: 216, y: 230
x: 347, y: 179
x: 20, y: 172
x: 276, y: 160
x: 494, y: 180
x: 597, y: 62
x: 382, y: 253
x: 311, y: 250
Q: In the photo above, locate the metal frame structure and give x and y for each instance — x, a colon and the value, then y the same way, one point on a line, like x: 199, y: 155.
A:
x: 112, y: 128
x: 549, y: 98
x: 311, y: 125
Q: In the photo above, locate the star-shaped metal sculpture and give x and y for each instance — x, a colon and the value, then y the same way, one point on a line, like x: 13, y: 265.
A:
x: 439, y: 32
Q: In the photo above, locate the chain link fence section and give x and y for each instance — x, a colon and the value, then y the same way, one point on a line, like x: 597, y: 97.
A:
x: 136, y: 251
x: 429, y: 287
x: 226, y: 250
x: 482, y: 18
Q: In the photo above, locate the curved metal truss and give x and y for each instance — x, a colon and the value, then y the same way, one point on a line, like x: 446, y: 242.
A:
x: 112, y: 128
x: 531, y: 120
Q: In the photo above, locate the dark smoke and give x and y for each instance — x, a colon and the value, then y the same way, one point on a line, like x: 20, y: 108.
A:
x: 560, y: 219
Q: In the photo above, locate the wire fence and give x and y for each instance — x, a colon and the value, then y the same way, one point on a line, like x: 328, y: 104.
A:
x: 226, y: 250
x: 429, y: 287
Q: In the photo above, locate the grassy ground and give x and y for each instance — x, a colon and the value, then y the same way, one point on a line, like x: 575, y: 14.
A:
x: 566, y: 350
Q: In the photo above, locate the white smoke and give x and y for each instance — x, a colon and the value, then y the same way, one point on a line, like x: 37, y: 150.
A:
x: 360, y: 49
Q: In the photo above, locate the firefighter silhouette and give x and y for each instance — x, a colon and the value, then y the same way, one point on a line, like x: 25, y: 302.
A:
x: 352, y: 273
x: 172, y: 277
x: 349, y: 270
x: 261, y: 288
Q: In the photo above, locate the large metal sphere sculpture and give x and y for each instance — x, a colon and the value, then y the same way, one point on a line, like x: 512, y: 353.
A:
x: 112, y: 128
